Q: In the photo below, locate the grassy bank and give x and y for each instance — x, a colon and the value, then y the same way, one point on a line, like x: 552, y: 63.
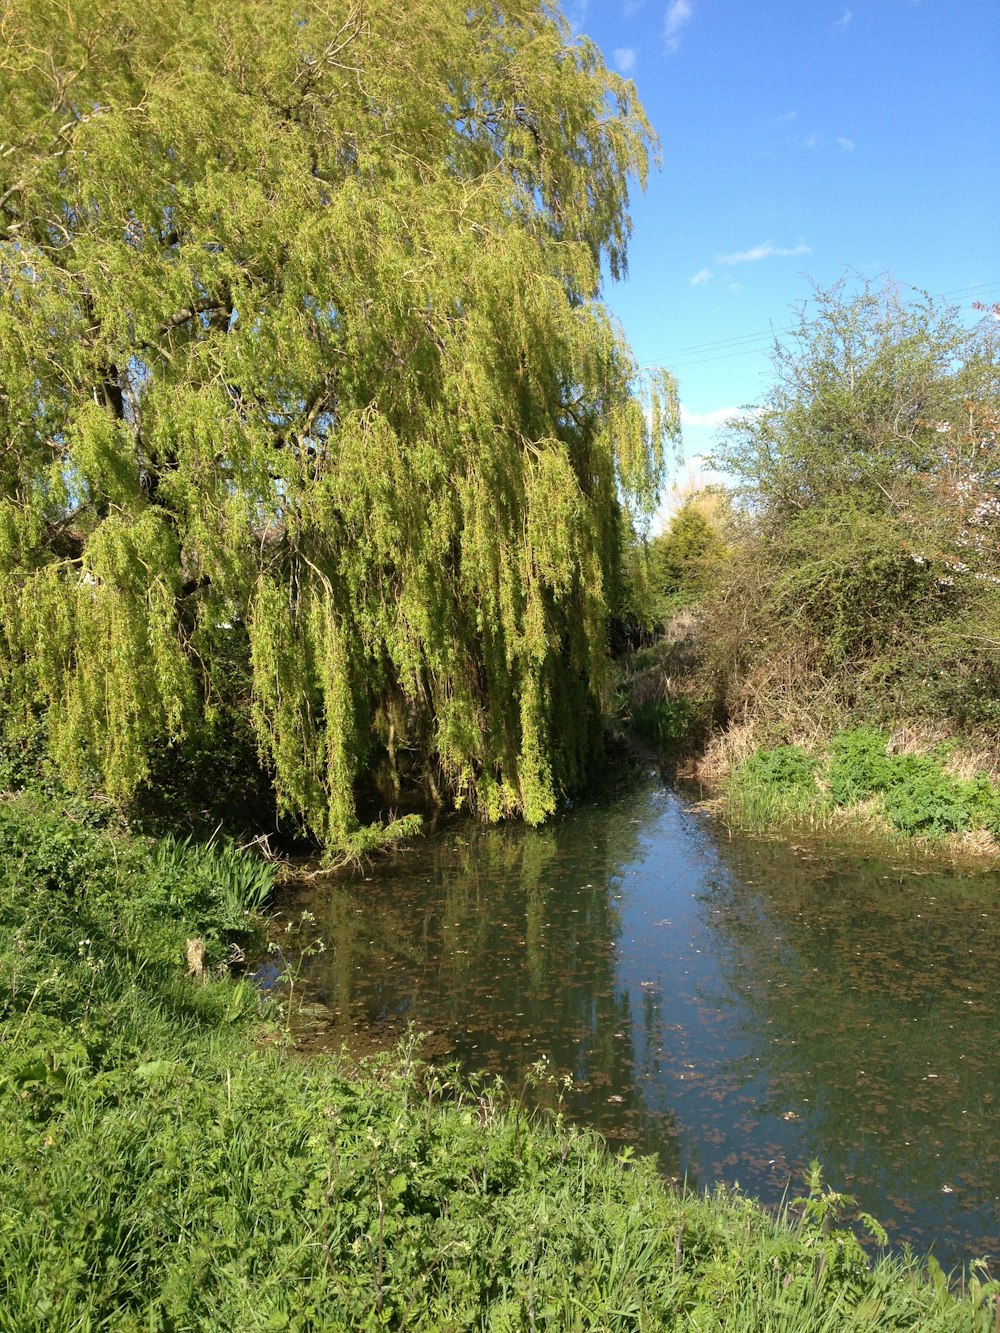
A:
x: 168, y: 1163
x: 861, y: 779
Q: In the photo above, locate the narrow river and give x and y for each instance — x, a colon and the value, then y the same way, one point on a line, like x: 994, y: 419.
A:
x: 738, y: 1007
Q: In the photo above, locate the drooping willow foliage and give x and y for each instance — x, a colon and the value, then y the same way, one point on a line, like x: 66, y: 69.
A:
x: 301, y: 349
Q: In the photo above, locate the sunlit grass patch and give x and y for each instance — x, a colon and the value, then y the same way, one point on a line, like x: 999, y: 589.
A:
x: 776, y: 786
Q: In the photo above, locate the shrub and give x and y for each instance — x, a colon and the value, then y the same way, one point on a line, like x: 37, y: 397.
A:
x: 982, y: 801
x: 859, y: 766
x: 784, y: 767
x: 44, y: 845
x: 149, y: 896
x: 922, y: 799
x: 855, y: 579
x: 684, y: 559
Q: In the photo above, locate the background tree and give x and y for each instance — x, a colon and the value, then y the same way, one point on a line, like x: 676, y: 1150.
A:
x: 303, y: 368
x: 685, y: 557
x: 867, y: 481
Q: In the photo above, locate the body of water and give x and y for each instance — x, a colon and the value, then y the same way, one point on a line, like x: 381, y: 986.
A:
x: 739, y: 1007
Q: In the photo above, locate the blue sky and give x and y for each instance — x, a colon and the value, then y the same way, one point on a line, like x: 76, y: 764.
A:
x: 800, y: 139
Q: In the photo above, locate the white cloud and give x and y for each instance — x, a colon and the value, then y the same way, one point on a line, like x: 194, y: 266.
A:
x: 717, y: 417
x: 785, y: 118
x: 624, y: 59
x: 803, y: 140
x: 678, y: 14
x: 766, y: 251
x: 844, y: 19
x: 703, y: 275
x: 846, y: 144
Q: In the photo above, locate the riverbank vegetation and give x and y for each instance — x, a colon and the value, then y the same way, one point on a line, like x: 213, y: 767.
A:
x: 168, y: 1162
x: 852, y: 580
x: 857, y: 779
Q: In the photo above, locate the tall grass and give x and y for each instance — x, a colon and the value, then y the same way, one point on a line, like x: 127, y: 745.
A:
x: 774, y: 787
x: 239, y: 883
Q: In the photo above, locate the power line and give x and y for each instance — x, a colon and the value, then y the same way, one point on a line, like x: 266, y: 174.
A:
x: 725, y: 356
x: 722, y: 342
x: 765, y: 333
x: 671, y: 358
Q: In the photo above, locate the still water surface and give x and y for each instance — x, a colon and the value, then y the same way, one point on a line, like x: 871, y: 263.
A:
x: 738, y: 1007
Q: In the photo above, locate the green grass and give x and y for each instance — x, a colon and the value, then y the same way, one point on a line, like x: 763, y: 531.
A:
x: 775, y: 787
x: 669, y: 724
x: 168, y: 1163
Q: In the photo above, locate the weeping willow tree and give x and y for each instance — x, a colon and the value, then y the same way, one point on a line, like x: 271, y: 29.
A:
x: 302, y: 349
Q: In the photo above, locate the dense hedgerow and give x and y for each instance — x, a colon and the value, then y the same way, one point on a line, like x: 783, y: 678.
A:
x: 861, y: 576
